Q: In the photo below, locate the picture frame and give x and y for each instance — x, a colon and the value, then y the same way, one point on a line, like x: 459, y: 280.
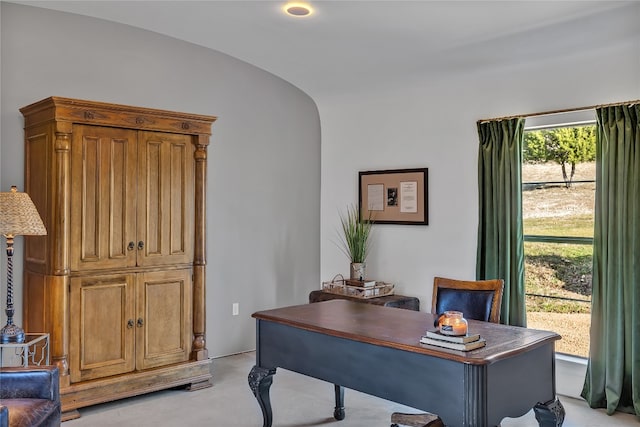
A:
x: 396, y: 196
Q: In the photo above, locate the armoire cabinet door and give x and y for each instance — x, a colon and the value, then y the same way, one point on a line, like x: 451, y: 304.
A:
x: 163, y: 327
x: 102, y: 326
x: 165, y: 199
x: 103, y: 198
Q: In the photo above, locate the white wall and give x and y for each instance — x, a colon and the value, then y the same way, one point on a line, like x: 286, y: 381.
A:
x: 432, y: 123
x: 264, y: 161
x: 266, y: 149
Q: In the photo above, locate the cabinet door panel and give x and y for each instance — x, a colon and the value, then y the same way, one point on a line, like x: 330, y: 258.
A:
x: 102, y: 330
x: 165, y: 191
x: 163, y: 332
x: 103, y: 196
x: 37, y: 182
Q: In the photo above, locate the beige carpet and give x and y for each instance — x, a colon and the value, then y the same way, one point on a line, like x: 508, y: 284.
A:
x: 297, y: 401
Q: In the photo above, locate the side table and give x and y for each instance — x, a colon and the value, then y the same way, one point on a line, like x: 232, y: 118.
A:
x: 398, y: 301
x: 33, y: 351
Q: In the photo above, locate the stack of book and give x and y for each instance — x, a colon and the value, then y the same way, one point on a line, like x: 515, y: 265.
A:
x: 461, y: 342
x: 361, y: 283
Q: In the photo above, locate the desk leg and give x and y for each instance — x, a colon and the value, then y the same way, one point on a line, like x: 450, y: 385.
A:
x: 260, y: 380
x: 550, y: 414
x: 338, y: 412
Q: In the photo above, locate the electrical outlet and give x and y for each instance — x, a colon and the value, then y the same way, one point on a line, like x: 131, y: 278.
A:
x: 235, y: 309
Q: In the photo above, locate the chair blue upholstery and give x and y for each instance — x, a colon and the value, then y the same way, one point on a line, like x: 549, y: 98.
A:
x: 4, y: 416
x: 474, y: 305
x: 476, y: 299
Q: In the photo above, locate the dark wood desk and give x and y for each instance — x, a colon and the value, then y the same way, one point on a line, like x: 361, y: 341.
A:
x: 398, y: 301
x: 376, y: 350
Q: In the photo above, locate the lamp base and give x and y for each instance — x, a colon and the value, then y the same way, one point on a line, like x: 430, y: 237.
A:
x: 11, y: 334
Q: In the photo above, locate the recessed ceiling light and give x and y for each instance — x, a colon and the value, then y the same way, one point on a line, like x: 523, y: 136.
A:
x: 298, y: 9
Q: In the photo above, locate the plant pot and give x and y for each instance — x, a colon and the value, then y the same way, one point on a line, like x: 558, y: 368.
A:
x: 358, y: 271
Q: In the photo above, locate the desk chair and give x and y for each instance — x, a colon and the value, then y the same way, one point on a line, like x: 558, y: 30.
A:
x: 477, y: 300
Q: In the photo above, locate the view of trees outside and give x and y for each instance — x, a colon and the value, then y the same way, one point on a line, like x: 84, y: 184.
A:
x: 558, y: 175
x: 566, y: 146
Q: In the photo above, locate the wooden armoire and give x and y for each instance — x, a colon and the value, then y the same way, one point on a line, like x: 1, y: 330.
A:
x: 119, y: 280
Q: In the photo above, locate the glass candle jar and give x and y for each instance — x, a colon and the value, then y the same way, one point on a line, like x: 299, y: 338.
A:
x: 452, y: 323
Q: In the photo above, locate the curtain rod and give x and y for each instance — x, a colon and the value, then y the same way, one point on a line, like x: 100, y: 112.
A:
x: 566, y: 110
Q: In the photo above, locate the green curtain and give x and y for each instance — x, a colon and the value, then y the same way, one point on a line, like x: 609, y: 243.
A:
x: 500, y: 236
x: 613, y: 371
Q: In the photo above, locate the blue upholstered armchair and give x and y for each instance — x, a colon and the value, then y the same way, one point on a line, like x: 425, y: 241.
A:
x: 29, y: 397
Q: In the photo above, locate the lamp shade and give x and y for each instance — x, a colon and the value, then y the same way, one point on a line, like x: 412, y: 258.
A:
x: 18, y: 215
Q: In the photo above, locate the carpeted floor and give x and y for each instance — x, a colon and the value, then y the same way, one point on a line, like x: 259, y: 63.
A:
x: 297, y: 401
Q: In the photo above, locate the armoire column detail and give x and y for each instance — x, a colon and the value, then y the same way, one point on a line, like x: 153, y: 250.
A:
x: 199, y: 319
x: 61, y: 202
x: 58, y: 282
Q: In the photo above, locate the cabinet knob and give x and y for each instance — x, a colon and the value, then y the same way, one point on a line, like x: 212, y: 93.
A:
x: 130, y: 324
x: 141, y: 245
x: 131, y: 246
x: 140, y: 322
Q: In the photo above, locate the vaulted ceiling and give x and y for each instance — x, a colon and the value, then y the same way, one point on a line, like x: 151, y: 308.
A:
x: 349, y: 46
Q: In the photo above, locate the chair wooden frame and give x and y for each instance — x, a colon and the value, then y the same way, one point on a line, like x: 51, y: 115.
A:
x: 495, y: 285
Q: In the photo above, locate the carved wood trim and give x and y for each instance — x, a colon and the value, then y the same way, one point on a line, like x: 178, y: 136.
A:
x: 60, y: 238
x: 102, y: 113
x: 58, y: 289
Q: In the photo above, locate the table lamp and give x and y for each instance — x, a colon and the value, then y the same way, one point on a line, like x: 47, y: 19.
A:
x: 18, y: 216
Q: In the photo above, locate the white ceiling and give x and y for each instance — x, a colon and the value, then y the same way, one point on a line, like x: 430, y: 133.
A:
x: 354, y: 45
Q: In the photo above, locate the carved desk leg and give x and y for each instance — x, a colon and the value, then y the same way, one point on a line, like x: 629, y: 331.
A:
x: 338, y: 412
x: 260, y: 380
x: 550, y: 414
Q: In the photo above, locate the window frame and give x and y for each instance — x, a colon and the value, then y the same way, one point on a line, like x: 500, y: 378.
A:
x: 553, y: 122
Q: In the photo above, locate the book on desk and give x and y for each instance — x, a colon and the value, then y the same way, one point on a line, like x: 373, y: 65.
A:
x: 455, y: 342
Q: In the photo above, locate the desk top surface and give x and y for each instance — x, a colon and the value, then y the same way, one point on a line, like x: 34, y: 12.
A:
x: 402, y: 329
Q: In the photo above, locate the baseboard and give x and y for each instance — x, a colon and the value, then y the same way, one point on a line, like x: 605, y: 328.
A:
x: 570, y: 374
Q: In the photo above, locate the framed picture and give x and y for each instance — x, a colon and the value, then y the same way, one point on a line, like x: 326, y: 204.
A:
x: 394, y: 196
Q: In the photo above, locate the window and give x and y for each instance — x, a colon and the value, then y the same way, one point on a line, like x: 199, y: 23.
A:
x: 558, y: 198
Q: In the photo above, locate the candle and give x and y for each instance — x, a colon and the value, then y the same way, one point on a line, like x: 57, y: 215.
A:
x: 459, y: 329
x: 452, y: 323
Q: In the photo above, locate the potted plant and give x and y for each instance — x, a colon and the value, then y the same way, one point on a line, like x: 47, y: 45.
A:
x: 355, y: 240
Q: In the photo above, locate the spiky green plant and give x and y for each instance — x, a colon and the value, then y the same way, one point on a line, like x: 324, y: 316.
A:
x: 356, y: 235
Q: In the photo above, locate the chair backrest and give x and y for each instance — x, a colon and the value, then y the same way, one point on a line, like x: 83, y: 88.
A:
x: 476, y: 299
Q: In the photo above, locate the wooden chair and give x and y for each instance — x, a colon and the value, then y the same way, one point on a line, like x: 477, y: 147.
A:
x: 477, y: 300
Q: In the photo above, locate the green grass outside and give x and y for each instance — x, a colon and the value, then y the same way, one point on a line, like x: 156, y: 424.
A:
x: 568, y: 226
x: 560, y: 270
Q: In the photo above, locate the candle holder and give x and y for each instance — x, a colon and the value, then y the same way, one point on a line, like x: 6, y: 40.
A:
x: 452, y: 323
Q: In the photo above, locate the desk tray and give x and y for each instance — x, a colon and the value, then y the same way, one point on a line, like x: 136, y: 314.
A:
x: 340, y: 287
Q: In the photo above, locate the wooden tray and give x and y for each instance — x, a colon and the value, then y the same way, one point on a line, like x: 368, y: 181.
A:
x: 340, y: 286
